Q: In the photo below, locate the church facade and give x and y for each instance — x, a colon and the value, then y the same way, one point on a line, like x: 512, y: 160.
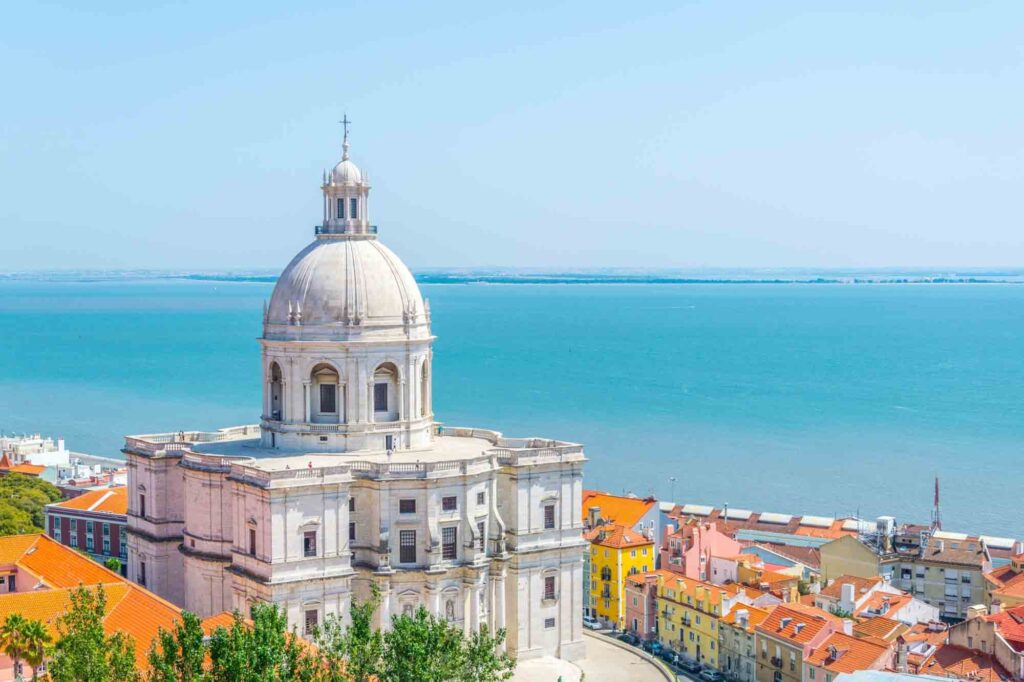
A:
x: 348, y: 480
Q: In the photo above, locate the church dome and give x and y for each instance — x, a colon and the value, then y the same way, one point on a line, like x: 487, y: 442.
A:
x: 346, y: 173
x: 348, y: 284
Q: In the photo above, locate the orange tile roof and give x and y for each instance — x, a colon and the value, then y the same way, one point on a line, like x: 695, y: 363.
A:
x: 617, y: 537
x: 813, y: 620
x: 878, y: 601
x: 755, y: 616
x: 130, y: 609
x: 881, y: 627
x: 841, y: 653
x: 861, y: 586
x: 619, y: 509
x: 1010, y: 623
x: 108, y: 500
x: 956, y: 661
x: 58, y: 566
x: 772, y: 577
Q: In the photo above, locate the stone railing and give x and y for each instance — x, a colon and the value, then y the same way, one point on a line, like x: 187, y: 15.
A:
x: 381, y: 470
x: 178, y: 441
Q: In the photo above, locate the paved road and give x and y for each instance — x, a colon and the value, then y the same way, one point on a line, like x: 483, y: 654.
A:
x: 605, y: 662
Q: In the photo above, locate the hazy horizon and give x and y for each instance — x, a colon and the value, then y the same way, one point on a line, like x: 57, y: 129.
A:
x: 556, y: 135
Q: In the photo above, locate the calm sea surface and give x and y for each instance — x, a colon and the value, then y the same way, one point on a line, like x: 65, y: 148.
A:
x: 790, y: 398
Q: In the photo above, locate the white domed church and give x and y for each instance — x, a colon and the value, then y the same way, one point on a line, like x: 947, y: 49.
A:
x: 349, y: 480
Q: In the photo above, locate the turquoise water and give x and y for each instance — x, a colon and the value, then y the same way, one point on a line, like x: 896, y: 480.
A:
x: 790, y: 398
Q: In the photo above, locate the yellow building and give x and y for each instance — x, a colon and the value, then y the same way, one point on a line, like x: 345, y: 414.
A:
x: 616, y: 552
x: 689, y: 614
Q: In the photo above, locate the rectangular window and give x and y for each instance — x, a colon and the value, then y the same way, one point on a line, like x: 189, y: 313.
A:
x: 328, y: 394
x: 549, y: 623
x: 309, y: 543
x: 351, y: 504
x: 481, y: 537
x: 89, y: 546
x: 339, y: 208
x: 407, y: 506
x: 142, y: 505
x: 142, y: 573
x: 407, y: 546
x: 252, y: 542
x: 74, y: 538
x: 106, y: 530
x: 88, y: 527
x: 810, y: 673
x: 449, y: 503
x: 56, y: 529
x: 352, y: 532
x: 549, y: 516
x: 449, y: 535
x: 106, y: 545
x: 312, y: 621
x: 549, y: 587
x: 481, y: 498
x: 353, y: 209
x: 380, y: 397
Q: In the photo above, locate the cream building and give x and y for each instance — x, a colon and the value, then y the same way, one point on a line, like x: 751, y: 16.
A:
x: 348, y: 480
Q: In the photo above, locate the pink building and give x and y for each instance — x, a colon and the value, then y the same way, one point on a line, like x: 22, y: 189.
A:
x: 642, y: 605
x: 689, y: 550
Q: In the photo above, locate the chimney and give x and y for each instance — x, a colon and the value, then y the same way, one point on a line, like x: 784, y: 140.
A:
x: 940, y: 545
x: 901, y: 655
x: 743, y: 618
x: 847, y: 627
x: 847, y: 600
x: 995, y: 608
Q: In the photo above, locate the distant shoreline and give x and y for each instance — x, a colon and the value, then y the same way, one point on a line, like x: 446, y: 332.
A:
x: 534, y: 278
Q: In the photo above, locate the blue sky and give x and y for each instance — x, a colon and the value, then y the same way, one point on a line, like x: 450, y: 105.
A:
x: 193, y: 135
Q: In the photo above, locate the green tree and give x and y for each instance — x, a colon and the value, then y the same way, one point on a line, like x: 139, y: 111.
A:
x: 83, y: 652
x: 22, y: 502
x: 178, y: 655
x: 113, y: 563
x: 422, y: 648
x: 484, y: 658
x: 12, y: 640
x: 36, y: 639
x: 258, y: 651
x: 355, y: 652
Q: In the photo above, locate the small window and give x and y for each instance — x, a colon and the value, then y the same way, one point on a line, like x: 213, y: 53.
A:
x: 407, y: 546
x: 549, y: 587
x: 810, y: 673
x: 407, y: 506
x: 549, y: 623
x: 328, y: 395
x: 106, y: 546
x: 106, y: 530
x: 352, y: 532
x: 351, y: 504
x: 481, y: 498
x: 353, y: 209
x: 449, y: 503
x: 339, y: 208
x: 252, y: 542
x: 449, y: 536
x: 481, y: 537
x: 142, y: 505
x: 142, y: 573
x: 89, y: 544
x: 88, y: 527
x: 549, y: 516
x: 380, y: 397
x: 312, y: 621
x: 309, y: 543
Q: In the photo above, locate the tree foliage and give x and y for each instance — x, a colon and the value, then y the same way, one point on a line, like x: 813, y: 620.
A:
x: 84, y: 652
x: 22, y: 499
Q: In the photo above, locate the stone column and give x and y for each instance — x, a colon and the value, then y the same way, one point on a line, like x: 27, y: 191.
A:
x: 305, y: 398
x: 385, y: 604
x: 369, y: 401
x: 286, y: 412
x: 467, y: 592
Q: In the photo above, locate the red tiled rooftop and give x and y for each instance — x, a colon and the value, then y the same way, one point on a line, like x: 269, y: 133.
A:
x: 109, y: 500
x: 619, y: 509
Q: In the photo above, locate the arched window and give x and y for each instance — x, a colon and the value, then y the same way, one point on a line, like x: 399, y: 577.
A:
x: 326, y: 395
x: 276, y: 404
x: 385, y: 393
x: 425, y: 389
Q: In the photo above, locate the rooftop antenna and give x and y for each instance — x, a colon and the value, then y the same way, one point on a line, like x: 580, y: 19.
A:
x: 936, y: 513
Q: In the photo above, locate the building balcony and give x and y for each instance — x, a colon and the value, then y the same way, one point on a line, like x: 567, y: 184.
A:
x: 776, y: 661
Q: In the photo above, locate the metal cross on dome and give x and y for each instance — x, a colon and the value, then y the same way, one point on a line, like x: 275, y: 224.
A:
x: 344, y: 121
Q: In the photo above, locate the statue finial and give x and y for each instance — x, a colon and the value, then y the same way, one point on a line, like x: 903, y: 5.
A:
x: 344, y: 145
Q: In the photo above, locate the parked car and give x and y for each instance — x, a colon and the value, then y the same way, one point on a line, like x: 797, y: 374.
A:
x: 709, y: 675
x: 591, y: 623
x: 689, y: 665
x: 652, y: 646
x: 629, y: 638
x: 669, y: 656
